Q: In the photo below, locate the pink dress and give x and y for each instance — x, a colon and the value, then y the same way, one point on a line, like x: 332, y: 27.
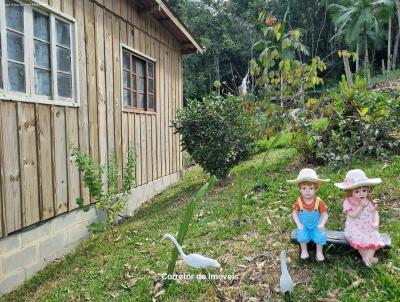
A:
x: 359, y: 230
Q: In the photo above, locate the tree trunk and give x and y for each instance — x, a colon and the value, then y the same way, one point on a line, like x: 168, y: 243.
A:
x: 347, y: 70
x: 396, y: 44
x: 281, y: 92
x: 358, y: 56
x: 389, y: 44
x: 366, y: 62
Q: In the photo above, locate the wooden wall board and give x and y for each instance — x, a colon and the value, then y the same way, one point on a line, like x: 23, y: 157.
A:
x: 10, y: 169
x: 83, y: 111
x: 72, y: 170
x: 28, y: 163
x: 59, y: 155
x: 43, y: 138
x: 101, y: 90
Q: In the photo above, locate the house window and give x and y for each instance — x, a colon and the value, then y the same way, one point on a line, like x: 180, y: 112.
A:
x: 138, y: 82
x: 36, y: 54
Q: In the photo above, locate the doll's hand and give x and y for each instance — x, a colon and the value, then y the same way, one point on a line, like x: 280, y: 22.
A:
x: 375, y: 225
x: 300, y: 227
x: 365, y: 202
x: 321, y: 226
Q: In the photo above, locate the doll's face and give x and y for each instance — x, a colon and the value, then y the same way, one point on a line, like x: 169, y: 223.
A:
x: 360, y: 193
x: 307, y: 190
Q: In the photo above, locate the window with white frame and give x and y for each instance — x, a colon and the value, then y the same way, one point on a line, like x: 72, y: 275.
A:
x: 37, y: 54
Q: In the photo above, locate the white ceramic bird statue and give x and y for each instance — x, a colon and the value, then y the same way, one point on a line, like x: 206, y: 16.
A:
x: 193, y: 260
x: 286, y: 282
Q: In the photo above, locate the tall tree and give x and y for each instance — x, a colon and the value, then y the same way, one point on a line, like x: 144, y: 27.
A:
x: 357, y: 21
x: 396, y: 44
x: 389, y: 8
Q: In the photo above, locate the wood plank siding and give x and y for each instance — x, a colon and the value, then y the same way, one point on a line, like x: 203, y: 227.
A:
x: 38, y: 178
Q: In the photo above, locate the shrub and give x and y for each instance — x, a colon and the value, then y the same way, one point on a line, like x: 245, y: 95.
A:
x: 351, y: 122
x: 217, y: 132
x: 111, y: 201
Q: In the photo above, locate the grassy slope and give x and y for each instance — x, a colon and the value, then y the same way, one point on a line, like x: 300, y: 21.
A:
x: 134, y: 257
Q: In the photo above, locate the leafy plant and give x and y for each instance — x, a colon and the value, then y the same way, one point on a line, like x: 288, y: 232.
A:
x: 216, y: 132
x: 352, y: 122
x: 184, y: 226
x: 277, y: 67
x: 111, y: 201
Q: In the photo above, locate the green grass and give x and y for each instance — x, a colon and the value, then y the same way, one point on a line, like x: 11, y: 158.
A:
x: 127, y: 266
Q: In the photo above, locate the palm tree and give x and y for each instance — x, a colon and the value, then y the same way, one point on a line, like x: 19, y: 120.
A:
x: 396, y: 44
x: 357, y: 22
x: 389, y: 9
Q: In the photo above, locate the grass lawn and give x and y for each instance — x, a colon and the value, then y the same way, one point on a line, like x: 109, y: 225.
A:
x: 126, y: 266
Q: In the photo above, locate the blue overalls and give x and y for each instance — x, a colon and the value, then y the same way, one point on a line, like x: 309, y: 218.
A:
x: 310, y: 221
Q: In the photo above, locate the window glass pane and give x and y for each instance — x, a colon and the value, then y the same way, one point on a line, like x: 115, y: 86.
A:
x: 42, y: 54
x: 150, y: 101
x: 64, y: 85
x: 141, y: 101
x: 140, y: 65
x: 62, y: 29
x: 42, y: 82
x: 150, y: 85
x: 63, y: 59
x: 41, y: 26
x: 15, y: 15
x: 127, y: 97
x: 127, y: 79
x: 134, y: 101
x: 16, y: 76
x: 125, y: 60
x: 150, y: 70
x: 141, y: 84
x: 15, y: 46
x: 134, y: 82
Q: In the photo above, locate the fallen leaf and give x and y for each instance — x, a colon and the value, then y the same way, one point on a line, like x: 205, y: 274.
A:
x: 114, y: 294
x: 356, y: 283
x: 130, y: 283
x: 248, y: 258
x: 159, y: 293
x: 246, y: 274
x: 269, y: 221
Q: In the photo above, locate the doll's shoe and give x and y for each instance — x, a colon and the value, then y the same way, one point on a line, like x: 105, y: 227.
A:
x: 374, y: 260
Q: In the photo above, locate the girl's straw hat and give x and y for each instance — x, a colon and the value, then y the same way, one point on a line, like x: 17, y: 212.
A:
x: 307, y: 175
x: 357, y: 178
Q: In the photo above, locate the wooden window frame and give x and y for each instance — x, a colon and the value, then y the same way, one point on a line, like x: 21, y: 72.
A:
x: 140, y: 56
x: 29, y: 95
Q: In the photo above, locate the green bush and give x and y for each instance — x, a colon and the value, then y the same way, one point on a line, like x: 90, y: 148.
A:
x: 349, y: 123
x: 217, y: 132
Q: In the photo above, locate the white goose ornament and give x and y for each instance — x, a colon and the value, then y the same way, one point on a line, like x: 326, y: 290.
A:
x: 286, y: 282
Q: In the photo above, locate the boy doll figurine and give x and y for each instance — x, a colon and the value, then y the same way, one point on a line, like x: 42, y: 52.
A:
x: 309, y: 213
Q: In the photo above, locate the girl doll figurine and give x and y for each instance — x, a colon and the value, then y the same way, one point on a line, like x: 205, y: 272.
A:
x: 361, y: 228
x: 309, y: 213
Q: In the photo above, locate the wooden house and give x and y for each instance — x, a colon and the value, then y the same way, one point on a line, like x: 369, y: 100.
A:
x: 103, y: 75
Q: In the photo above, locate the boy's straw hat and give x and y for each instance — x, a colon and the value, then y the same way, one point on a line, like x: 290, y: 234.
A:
x: 307, y: 175
x: 357, y: 178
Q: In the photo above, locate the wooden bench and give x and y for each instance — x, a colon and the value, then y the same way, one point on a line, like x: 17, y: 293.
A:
x: 337, y: 237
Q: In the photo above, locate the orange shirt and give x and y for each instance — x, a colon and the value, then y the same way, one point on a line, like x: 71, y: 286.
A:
x: 309, y: 207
